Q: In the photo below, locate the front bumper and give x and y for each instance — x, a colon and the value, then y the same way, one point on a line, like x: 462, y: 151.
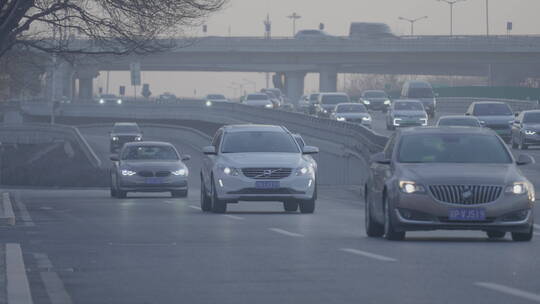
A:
x: 509, y: 213
x: 241, y: 188
x: 532, y: 139
x: 144, y: 184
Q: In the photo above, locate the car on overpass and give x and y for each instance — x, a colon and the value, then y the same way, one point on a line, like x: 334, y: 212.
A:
x: 376, y: 100
x: 257, y: 163
x: 122, y: 133
x: 494, y: 115
x: 313, y: 34
x: 458, y: 121
x: 260, y: 100
x: 457, y: 178
x: 149, y: 167
x: 353, y: 113
x: 215, y: 98
x: 526, y: 130
x: 327, y: 103
x: 109, y: 99
x: 406, y: 113
x: 422, y: 91
x: 370, y: 30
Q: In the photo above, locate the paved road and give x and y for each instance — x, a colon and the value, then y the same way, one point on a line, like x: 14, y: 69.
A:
x: 81, y: 246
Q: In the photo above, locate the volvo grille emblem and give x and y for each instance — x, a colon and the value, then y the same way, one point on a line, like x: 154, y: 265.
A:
x: 267, y: 172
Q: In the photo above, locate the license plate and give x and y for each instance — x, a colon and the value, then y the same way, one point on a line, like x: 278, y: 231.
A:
x: 154, y: 180
x: 266, y: 185
x: 467, y: 214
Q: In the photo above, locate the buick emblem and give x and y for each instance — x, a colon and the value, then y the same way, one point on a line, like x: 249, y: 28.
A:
x: 467, y: 194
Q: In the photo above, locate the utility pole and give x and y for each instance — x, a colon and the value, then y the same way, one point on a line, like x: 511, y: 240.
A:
x: 412, y: 22
x: 487, y: 17
x: 451, y: 3
x: 294, y: 17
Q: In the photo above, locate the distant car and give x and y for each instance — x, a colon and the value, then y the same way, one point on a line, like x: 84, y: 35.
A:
x: 327, y: 102
x: 313, y: 34
x: 376, y: 100
x: 448, y: 179
x: 303, y: 104
x: 458, y: 121
x: 122, y: 133
x: 149, y: 167
x: 494, y: 115
x: 277, y: 101
x: 167, y: 97
x: 260, y: 100
x: 526, y: 130
x: 313, y: 103
x: 215, y: 98
x: 257, y: 163
x: 422, y: 91
x: 406, y: 113
x: 370, y: 30
x: 109, y: 99
x: 352, y: 112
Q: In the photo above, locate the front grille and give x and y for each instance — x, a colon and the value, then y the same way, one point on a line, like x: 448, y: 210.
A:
x: 146, y: 173
x: 266, y: 191
x: 126, y: 139
x: 267, y: 173
x: 163, y: 173
x: 466, y: 194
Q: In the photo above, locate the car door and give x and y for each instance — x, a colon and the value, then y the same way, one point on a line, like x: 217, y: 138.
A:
x: 381, y: 173
x: 210, y: 160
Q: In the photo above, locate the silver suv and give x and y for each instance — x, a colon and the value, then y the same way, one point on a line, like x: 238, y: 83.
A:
x: 258, y: 163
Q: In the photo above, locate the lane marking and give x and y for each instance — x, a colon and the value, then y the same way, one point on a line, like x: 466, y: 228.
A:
x: 194, y: 207
x: 55, y: 288
x: 234, y: 217
x: 285, y: 232
x: 509, y: 290
x: 142, y: 244
x: 25, y: 215
x: 369, y: 255
x: 18, y: 289
x: 43, y: 261
x: 7, y: 216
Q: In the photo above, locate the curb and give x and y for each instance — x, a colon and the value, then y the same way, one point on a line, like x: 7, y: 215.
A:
x: 18, y: 289
x: 7, y: 216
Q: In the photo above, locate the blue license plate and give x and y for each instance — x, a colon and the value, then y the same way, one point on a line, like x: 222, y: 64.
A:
x: 467, y: 214
x: 154, y: 180
x: 266, y: 185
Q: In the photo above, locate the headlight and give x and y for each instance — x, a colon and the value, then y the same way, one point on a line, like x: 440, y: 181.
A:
x: 119, y: 101
x: 269, y: 106
x: 396, y: 121
x: 304, y: 170
x: 325, y: 111
x: 482, y: 122
x: 115, y: 138
x: 341, y: 119
x: 424, y: 121
x: 101, y: 101
x: 367, y: 102
x: 138, y: 138
x: 519, y: 188
x: 530, y: 132
x: 511, y: 122
x: 180, y: 172
x: 208, y: 103
x: 367, y: 118
x: 128, y: 173
x: 387, y: 102
x: 230, y: 171
x: 411, y: 187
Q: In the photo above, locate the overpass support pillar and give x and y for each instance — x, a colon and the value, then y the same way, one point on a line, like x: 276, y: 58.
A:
x: 59, y: 80
x: 294, y: 85
x: 86, y: 77
x: 328, y: 78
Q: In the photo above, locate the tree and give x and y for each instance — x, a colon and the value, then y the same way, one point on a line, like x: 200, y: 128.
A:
x: 98, y: 26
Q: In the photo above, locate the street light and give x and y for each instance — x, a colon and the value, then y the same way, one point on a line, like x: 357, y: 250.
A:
x: 294, y: 17
x: 451, y: 3
x: 412, y: 21
x: 487, y: 17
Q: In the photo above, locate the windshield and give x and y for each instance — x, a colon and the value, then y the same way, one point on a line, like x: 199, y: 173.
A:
x: 126, y: 129
x: 216, y: 97
x: 149, y: 153
x: 353, y: 108
x: 334, y: 99
x: 459, y: 122
x: 452, y: 148
x: 257, y: 97
x: 420, y: 93
x: 313, y: 97
x: 531, y: 118
x: 408, y: 106
x: 375, y: 94
x: 259, y: 141
x: 492, y: 109
x: 108, y: 96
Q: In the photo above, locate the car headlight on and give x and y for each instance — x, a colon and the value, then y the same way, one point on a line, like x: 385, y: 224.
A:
x: 367, y: 102
x: 230, y: 171
x: 119, y: 101
x: 410, y: 187
x: 519, y: 188
x: 325, y: 111
x: 128, y: 173
x: 208, y: 103
x: 530, y: 132
x: 138, y: 138
x: 304, y: 170
x: 269, y: 106
x: 115, y: 138
x: 424, y: 121
x: 180, y: 172
x: 102, y: 101
x: 387, y: 102
x: 396, y: 121
x: 366, y: 118
x: 341, y: 119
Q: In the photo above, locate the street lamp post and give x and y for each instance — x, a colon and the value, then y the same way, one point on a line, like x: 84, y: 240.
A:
x: 412, y: 22
x: 487, y: 17
x: 451, y: 3
x: 294, y: 17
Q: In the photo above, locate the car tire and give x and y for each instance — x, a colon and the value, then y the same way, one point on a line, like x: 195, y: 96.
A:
x: 290, y: 206
x: 206, y: 201
x: 523, y: 236
x: 389, y: 230
x: 121, y: 194
x: 307, y: 206
x: 218, y: 206
x: 179, y: 193
x: 373, y: 229
x: 496, y: 234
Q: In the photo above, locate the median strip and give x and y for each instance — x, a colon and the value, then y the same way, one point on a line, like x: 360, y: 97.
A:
x: 18, y: 289
x: 7, y: 216
x: 369, y: 255
x: 285, y: 232
x: 510, y: 291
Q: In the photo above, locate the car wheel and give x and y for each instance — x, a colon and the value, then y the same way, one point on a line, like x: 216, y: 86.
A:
x: 179, y: 193
x: 522, y: 145
x: 513, y: 142
x: 307, y: 206
x: 290, y: 206
x: 121, y: 194
x: 373, y: 229
x: 218, y: 206
x: 523, y: 237
x: 496, y: 234
x: 389, y: 230
x: 206, y: 202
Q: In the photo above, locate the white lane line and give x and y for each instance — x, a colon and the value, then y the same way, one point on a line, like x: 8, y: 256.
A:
x: 369, y: 255
x: 285, y: 232
x: 55, y: 288
x: 194, y: 207
x: 6, y: 211
x: 43, y: 261
x: 18, y: 289
x: 509, y: 290
x: 25, y: 215
x: 234, y: 217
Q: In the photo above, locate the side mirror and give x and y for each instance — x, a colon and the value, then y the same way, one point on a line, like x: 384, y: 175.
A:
x: 310, y: 150
x: 380, y: 158
x: 210, y: 150
x: 186, y: 157
x: 115, y: 158
x: 524, y: 159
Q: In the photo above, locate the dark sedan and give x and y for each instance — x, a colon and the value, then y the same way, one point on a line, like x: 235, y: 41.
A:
x: 376, y: 100
x: 526, y: 130
x: 406, y: 113
x: 494, y: 115
x: 451, y: 179
x: 122, y: 133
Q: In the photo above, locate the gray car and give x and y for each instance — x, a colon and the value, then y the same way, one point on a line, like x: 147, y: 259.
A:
x: 149, y: 167
x: 526, y: 130
x: 494, y: 115
x: 458, y: 121
x: 353, y: 113
x: 451, y: 179
x: 257, y: 163
x: 406, y: 113
x: 376, y: 100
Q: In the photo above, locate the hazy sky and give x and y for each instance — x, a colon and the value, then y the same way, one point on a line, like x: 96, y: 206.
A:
x: 245, y: 17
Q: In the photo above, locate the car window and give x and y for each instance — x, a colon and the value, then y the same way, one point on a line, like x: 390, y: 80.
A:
x: 334, y: 99
x: 452, y: 148
x: 531, y: 118
x: 257, y: 97
x: 408, y: 106
x: 375, y: 94
x: 420, y: 93
x: 491, y: 109
x: 259, y: 141
x: 353, y: 108
x: 149, y: 153
x: 313, y: 97
x: 126, y: 129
